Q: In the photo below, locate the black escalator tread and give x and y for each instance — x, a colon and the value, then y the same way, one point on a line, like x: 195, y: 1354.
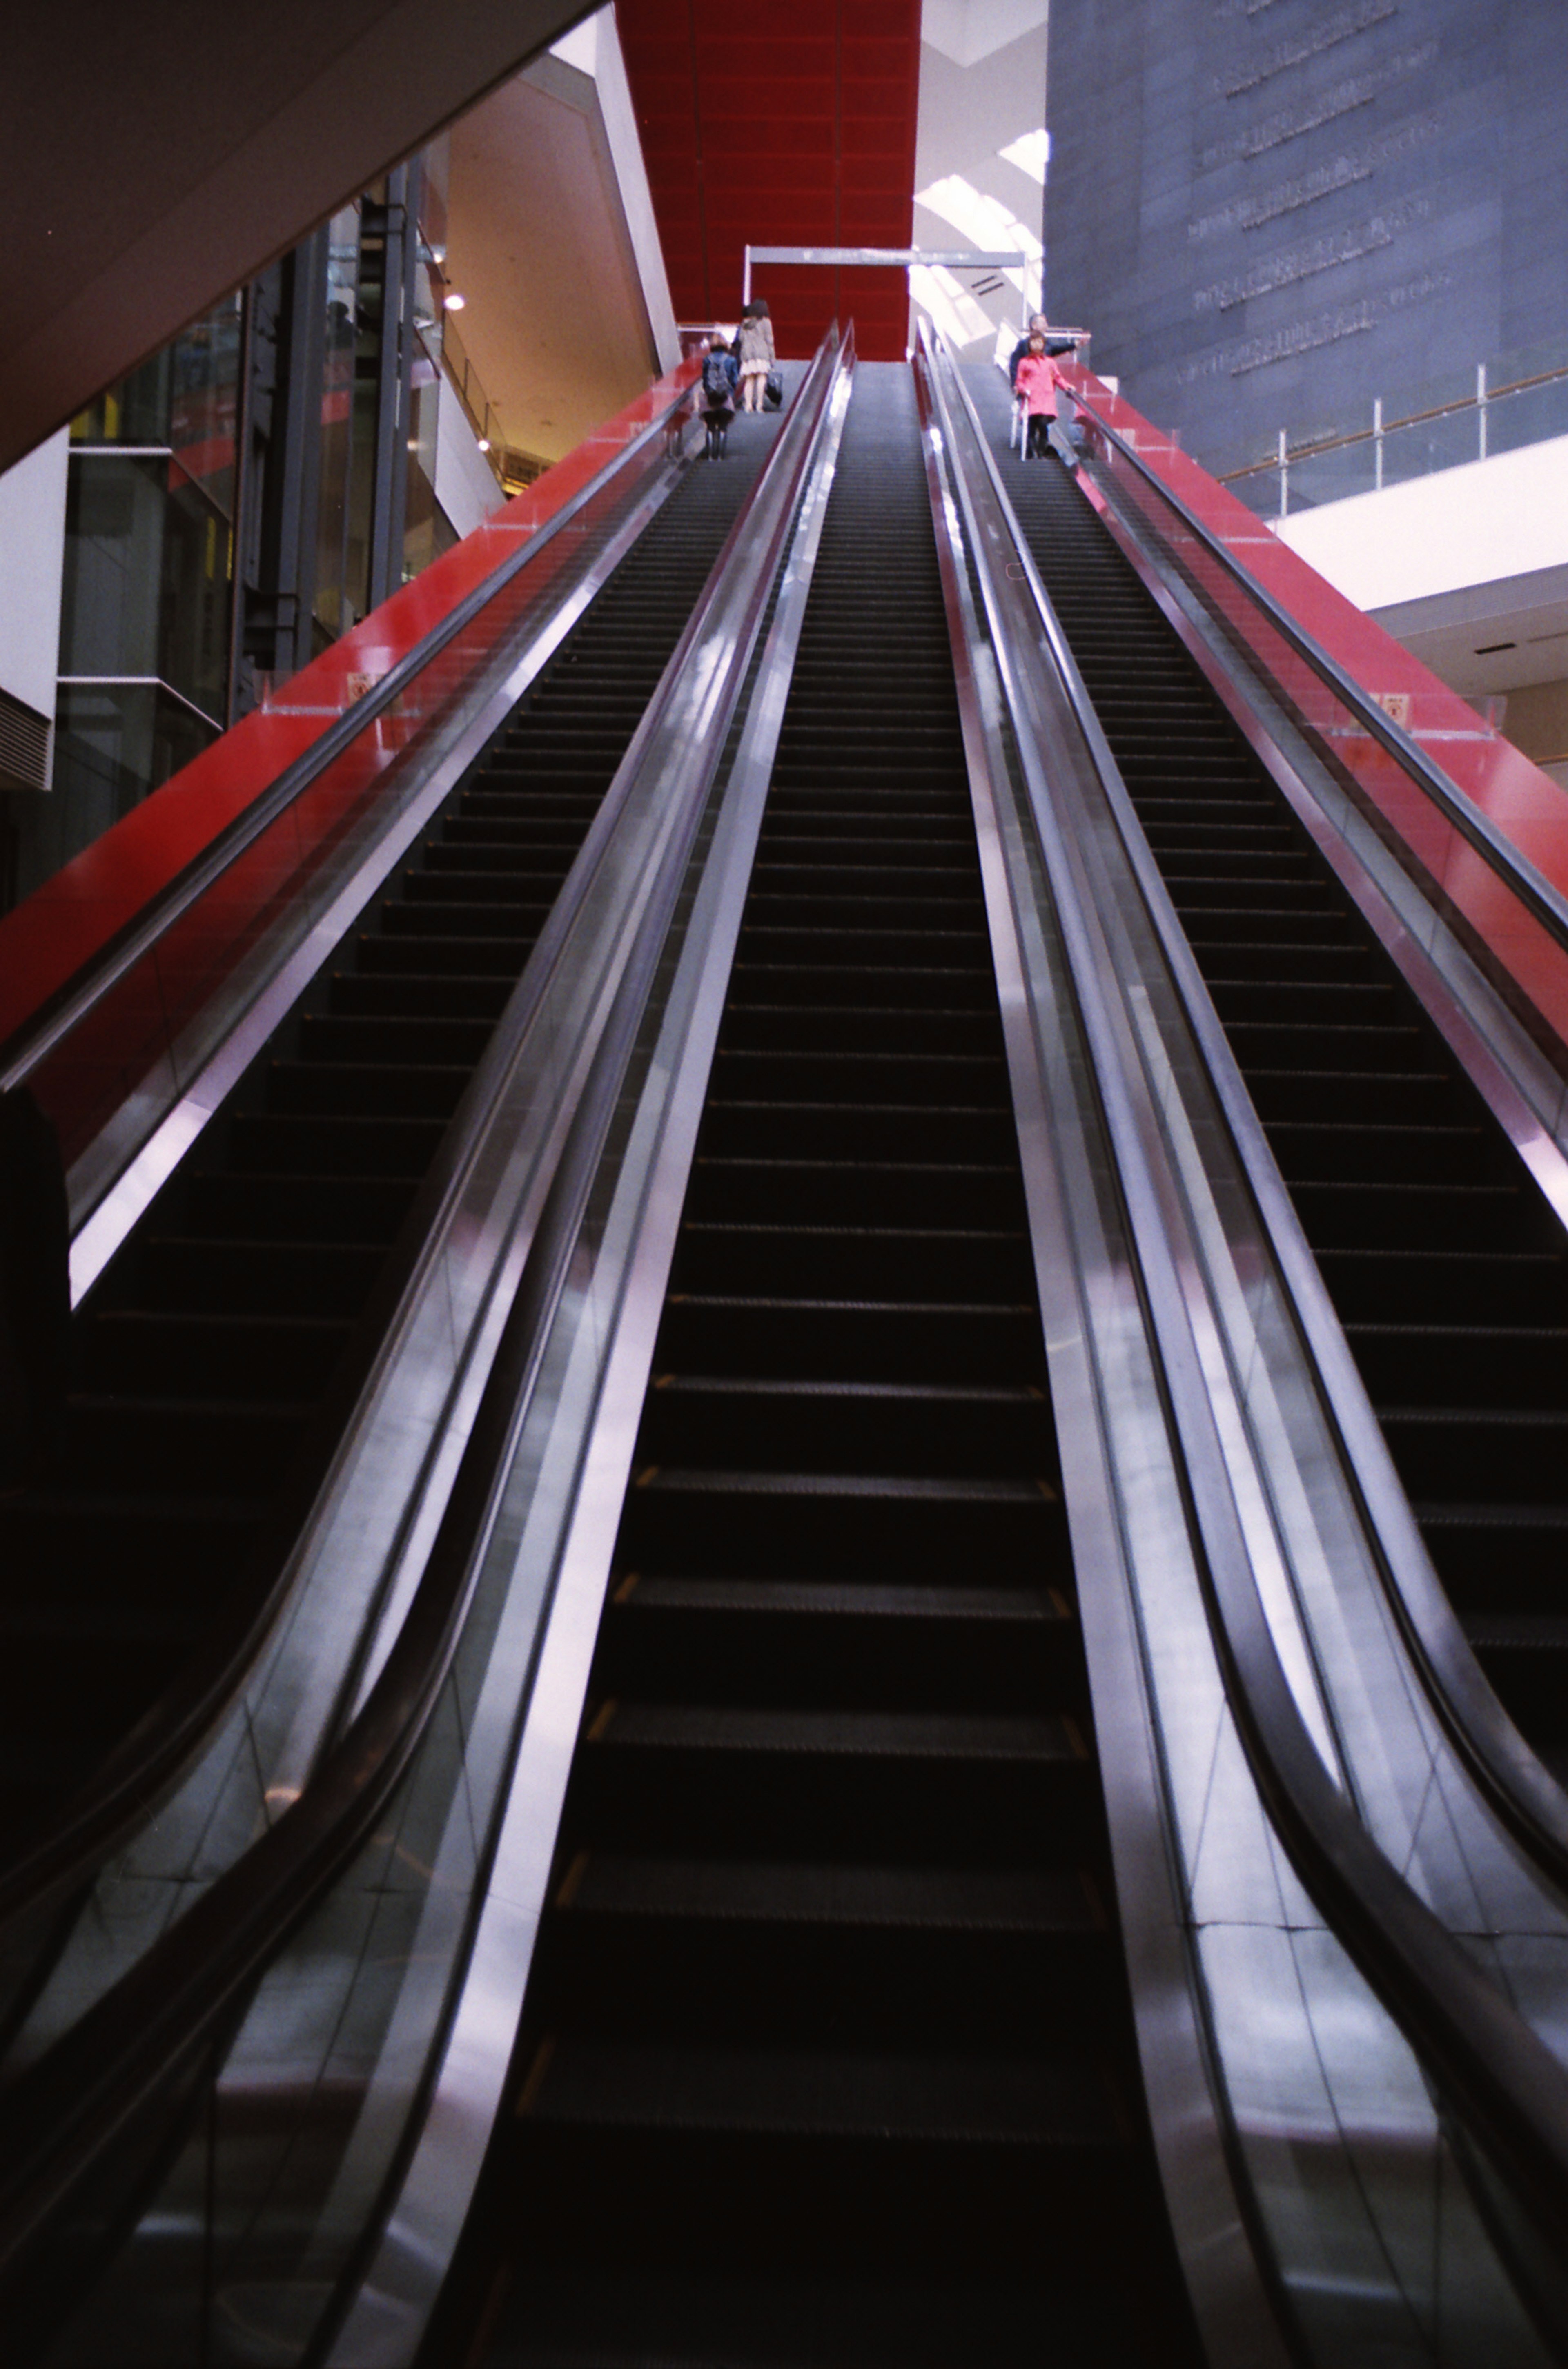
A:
x: 1448, y: 1270
x: 825, y: 2055
x: 206, y: 1354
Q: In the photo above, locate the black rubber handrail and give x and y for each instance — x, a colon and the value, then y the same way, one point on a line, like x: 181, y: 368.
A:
x: 1510, y: 2089
x: 77, y: 996
x: 1545, y: 902
x: 64, y: 2113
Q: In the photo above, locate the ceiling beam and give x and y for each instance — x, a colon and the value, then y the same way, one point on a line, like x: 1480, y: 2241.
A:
x: 159, y: 156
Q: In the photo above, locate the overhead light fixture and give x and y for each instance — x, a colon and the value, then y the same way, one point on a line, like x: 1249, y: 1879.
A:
x: 484, y: 443
x: 453, y: 301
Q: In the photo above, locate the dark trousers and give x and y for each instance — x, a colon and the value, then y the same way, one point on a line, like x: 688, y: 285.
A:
x: 1039, y: 434
x: 718, y: 428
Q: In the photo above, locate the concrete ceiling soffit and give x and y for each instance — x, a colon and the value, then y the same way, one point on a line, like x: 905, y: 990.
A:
x: 969, y: 30
x: 163, y: 155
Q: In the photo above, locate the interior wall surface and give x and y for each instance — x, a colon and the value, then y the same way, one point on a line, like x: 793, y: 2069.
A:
x: 788, y: 123
x: 1270, y: 211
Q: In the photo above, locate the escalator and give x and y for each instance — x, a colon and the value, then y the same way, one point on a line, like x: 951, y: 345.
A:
x: 1444, y: 1264
x: 218, y: 1357
x: 827, y: 2054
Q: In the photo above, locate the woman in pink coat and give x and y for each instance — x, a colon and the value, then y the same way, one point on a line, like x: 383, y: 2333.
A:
x: 1037, y: 383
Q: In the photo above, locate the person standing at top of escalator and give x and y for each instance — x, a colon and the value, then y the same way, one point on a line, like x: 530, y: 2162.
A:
x: 1058, y: 341
x: 754, y: 344
x: 1036, y: 383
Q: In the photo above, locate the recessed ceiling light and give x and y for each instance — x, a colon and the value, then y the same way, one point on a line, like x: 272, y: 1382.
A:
x: 453, y: 302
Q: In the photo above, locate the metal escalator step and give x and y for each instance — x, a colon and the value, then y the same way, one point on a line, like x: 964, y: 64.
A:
x: 1400, y: 1216
x: 1279, y: 1044
x: 1402, y: 1282
x: 858, y: 1642
x: 973, y: 2100
x: 832, y: 985
x: 1209, y: 926
x: 375, y: 1039
x: 262, y: 1355
x: 837, y: 1427
x: 410, y: 1089
x: 477, y: 956
x: 552, y: 2318
x: 832, y: 1525
x: 362, y: 1209
x: 1323, y: 1003
x: 1411, y: 1097
x: 855, y: 1192
x: 234, y: 1276
x: 1527, y: 1364
x: 899, y: 1078
x: 929, y: 1262
x: 1354, y: 1150
x: 516, y: 919
x: 515, y: 886
x: 852, y: 1336
x: 350, y: 1144
x: 1006, y: 1900
x: 151, y: 1445
x: 408, y: 992
x: 941, y: 1132
x: 798, y: 1027
x: 1482, y: 1454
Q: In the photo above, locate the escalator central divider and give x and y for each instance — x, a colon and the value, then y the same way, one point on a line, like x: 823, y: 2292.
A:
x: 826, y: 2051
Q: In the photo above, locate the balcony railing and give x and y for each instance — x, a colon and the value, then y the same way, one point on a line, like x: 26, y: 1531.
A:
x: 1474, y: 413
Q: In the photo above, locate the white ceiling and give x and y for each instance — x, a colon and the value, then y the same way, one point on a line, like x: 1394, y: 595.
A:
x: 554, y: 322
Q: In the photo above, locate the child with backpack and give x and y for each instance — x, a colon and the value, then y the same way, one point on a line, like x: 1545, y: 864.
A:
x: 721, y: 375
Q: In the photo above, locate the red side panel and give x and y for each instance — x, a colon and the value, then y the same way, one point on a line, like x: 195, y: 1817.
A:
x: 58, y: 929
x: 1526, y: 805
x: 781, y: 123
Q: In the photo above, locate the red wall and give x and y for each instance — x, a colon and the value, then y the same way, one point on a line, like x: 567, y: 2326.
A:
x: 780, y: 123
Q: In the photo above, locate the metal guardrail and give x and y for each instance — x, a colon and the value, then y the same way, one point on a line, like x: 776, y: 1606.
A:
x: 1494, y: 385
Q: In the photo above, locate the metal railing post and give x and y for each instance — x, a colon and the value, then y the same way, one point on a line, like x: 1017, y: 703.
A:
x: 1377, y: 443
x: 1284, y: 473
x: 1481, y: 409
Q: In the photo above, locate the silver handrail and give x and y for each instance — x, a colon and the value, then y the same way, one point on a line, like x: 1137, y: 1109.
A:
x: 1543, y: 898
x: 1509, y: 2088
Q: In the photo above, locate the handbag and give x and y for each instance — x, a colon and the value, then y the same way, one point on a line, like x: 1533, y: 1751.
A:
x: 772, y: 390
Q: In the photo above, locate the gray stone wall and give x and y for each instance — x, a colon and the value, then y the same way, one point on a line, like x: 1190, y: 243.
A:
x: 1270, y: 211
